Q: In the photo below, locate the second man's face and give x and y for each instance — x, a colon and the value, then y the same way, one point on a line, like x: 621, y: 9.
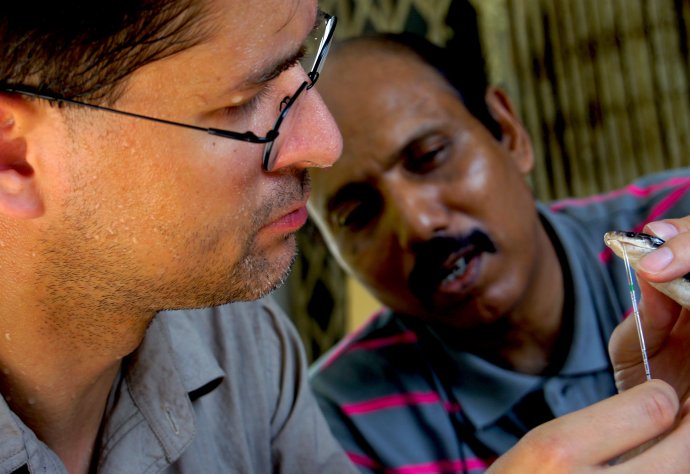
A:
x: 426, y: 208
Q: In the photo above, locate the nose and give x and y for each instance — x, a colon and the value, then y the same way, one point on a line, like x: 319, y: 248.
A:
x: 309, y: 136
x: 417, y: 212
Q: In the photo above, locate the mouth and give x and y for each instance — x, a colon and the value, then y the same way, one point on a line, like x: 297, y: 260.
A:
x: 289, y: 213
x: 448, y: 265
x: 289, y: 222
x: 458, y: 269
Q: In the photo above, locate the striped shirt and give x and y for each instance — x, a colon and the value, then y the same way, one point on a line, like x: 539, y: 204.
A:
x: 402, y: 399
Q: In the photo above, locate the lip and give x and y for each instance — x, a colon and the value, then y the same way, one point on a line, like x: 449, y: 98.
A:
x: 289, y: 222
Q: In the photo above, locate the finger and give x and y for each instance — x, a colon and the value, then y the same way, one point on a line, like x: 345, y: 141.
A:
x: 672, y: 260
x: 603, y: 431
x: 671, y: 455
x: 668, y: 228
x: 658, y: 312
x: 624, y: 350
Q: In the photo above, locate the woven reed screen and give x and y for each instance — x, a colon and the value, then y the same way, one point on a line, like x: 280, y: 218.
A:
x: 601, y: 85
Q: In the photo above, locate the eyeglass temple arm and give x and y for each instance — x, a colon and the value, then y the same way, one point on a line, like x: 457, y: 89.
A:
x: 243, y: 136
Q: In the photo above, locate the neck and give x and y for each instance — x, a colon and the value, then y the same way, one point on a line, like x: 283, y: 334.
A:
x: 65, y: 416
x: 525, y: 339
x: 63, y: 334
x: 57, y: 367
x: 539, y: 321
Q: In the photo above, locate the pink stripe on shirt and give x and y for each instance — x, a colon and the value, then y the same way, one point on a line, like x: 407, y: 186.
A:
x: 407, y: 337
x: 631, y: 189
x: 364, y: 461
x: 392, y: 401
x: 656, y: 213
x: 444, y: 466
x: 441, y: 465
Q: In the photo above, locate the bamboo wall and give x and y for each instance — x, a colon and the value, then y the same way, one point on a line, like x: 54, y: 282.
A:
x: 602, y: 86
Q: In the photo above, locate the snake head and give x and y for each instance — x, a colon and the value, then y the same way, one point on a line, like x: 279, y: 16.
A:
x: 637, y: 245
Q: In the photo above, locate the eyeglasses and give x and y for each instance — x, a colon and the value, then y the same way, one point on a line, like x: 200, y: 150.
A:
x: 316, y: 49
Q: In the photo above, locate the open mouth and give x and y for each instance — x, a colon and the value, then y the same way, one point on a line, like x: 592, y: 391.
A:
x: 460, y: 272
x: 456, y: 271
x: 459, y: 265
x: 447, y: 264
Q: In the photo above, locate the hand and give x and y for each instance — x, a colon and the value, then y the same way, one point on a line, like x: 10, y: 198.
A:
x: 666, y: 328
x: 587, y: 440
x: 672, y: 260
x: 666, y: 325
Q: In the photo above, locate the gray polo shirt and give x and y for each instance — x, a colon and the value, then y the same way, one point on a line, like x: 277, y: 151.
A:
x: 400, y: 396
x: 220, y: 390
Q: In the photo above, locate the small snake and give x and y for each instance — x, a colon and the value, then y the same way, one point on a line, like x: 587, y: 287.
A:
x: 637, y: 245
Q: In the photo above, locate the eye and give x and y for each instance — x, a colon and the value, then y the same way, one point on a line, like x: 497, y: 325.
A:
x: 360, y: 209
x: 426, y: 154
x: 249, y: 107
x: 355, y: 215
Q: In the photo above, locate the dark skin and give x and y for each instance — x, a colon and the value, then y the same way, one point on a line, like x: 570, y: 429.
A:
x: 416, y: 166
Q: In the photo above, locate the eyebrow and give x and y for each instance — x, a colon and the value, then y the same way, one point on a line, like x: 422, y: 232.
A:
x: 277, y: 68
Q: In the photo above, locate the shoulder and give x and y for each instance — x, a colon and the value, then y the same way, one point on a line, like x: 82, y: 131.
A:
x: 381, y: 333
x: 383, y: 353
x: 657, y: 196
x: 660, y: 191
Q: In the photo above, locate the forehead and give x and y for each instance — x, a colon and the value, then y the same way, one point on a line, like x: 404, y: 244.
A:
x: 245, y: 39
x: 371, y: 83
x: 253, y: 30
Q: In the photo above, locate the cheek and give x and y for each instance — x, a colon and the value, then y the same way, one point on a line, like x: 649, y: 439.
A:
x: 168, y: 182
x: 378, y: 263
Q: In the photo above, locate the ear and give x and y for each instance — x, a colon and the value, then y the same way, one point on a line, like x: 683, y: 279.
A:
x: 514, y: 137
x: 19, y: 194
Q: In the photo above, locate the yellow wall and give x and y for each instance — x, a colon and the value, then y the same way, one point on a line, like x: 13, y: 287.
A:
x: 361, y: 305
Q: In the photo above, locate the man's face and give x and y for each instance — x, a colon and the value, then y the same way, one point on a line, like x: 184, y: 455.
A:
x: 426, y: 208
x: 173, y: 217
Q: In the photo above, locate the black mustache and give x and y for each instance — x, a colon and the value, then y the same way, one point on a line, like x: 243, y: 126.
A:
x: 430, y: 256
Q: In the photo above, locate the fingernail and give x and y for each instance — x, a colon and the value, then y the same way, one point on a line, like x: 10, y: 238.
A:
x: 663, y: 230
x: 656, y: 261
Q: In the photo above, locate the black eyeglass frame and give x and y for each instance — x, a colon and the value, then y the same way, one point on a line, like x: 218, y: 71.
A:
x: 247, y: 136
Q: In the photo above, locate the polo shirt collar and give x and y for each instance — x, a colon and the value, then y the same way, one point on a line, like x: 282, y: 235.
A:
x: 171, y: 364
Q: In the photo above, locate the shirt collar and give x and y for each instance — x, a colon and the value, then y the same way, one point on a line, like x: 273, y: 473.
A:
x: 161, y: 381
x: 171, y: 364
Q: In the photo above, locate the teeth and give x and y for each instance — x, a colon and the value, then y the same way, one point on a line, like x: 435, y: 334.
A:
x: 458, y: 270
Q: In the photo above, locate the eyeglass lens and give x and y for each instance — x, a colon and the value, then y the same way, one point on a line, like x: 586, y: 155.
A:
x: 316, y: 48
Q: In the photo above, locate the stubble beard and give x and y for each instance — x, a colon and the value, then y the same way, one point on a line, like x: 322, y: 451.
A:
x: 83, y: 279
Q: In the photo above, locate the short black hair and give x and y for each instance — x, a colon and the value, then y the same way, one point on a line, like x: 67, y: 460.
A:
x: 86, y: 48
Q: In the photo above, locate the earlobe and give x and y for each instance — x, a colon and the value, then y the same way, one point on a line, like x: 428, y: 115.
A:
x: 513, y: 134
x: 19, y: 194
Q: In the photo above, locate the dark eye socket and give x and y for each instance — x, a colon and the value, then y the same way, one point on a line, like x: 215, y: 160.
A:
x: 426, y: 154
x: 357, y: 214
